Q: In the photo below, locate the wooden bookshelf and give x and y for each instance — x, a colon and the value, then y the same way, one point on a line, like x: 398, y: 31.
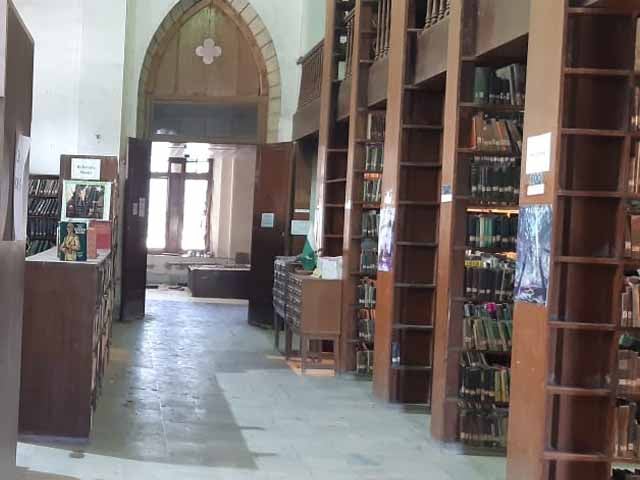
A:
x: 566, y: 352
x: 333, y: 136
x: 462, y: 205
x: 410, y: 193
x: 362, y: 200
x: 42, y: 223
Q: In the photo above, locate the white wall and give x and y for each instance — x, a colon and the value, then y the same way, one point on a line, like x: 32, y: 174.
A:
x: 281, y: 17
x: 79, y: 60
x: 232, y: 203
x: 82, y: 104
x: 314, y: 13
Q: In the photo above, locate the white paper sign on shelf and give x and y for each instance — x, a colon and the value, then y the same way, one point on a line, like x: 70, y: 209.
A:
x: 300, y: 228
x: 539, y: 153
x: 447, y: 194
x: 268, y: 220
x: 20, y: 187
x: 85, y: 168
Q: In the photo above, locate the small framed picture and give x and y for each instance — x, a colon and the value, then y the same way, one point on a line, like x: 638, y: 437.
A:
x: 86, y: 200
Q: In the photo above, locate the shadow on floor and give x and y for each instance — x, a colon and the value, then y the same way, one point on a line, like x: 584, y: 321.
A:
x: 161, y: 401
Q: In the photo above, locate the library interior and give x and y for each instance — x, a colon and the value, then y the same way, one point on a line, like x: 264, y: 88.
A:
x: 320, y: 239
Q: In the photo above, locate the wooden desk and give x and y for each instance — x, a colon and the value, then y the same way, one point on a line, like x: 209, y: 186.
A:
x: 218, y: 281
x: 65, y: 345
x: 314, y: 313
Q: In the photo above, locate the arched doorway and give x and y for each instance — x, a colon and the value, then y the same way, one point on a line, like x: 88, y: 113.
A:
x: 210, y: 76
x: 244, y: 72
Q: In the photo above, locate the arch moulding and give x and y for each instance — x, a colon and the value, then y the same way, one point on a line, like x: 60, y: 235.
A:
x: 254, y: 30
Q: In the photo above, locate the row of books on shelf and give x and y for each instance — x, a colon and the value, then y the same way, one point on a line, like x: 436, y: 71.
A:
x: 486, y: 334
x: 492, y: 231
x: 370, y: 224
x: 503, y: 86
x: 484, y: 429
x: 489, y: 279
x: 44, y: 207
x: 44, y: 187
x: 367, y: 293
x: 374, y: 161
x: 626, y: 430
x: 372, y: 190
x: 628, y: 372
x: 495, y: 184
x: 483, y: 383
x: 631, y: 302
x: 492, y: 134
x: 634, y: 168
x: 366, y: 318
x: 376, y: 126
x: 38, y: 246
x: 635, y: 116
x: 364, y: 361
x: 42, y: 228
x: 632, y: 230
x: 369, y: 261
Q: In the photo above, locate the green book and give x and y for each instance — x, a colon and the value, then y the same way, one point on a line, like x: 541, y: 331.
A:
x: 482, y: 85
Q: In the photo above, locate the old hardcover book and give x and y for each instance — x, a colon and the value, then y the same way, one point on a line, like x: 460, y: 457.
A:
x: 72, y: 241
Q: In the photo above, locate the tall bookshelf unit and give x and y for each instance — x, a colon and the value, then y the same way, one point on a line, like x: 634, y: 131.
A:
x: 588, y: 112
x: 364, y: 174
x: 44, y: 212
x: 482, y: 138
x: 411, y: 196
x: 333, y: 136
x: 582, y: 76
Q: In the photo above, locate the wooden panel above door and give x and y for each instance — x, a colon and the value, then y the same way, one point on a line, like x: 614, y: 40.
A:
x: 182, y: 73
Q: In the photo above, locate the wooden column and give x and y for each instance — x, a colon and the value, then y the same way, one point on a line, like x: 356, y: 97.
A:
x: 385, y: 312
x: 327, y: 115
x: 528, y: 409
x: 445, y: 362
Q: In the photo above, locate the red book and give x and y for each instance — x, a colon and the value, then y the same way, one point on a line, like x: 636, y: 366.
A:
x: 103, y: 235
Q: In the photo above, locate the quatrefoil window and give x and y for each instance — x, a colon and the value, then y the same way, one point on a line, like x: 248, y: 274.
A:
x: 209, y: 51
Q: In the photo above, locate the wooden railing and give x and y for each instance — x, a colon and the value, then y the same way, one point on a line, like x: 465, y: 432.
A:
x: 437, y: 10
x: 310, y: 82
x: 383, y: 29
x: 349, y: 25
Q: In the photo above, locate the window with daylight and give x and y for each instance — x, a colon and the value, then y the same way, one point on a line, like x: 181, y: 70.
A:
x: 179, y: 197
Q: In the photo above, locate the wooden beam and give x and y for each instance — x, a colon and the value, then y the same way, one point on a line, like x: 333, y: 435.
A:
x: 445, y: 363
x: 529, y: 364
x: 327, y: 103
x: 385, y: 311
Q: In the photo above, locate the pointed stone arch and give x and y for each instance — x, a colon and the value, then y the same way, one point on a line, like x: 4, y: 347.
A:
x: 253, y: 29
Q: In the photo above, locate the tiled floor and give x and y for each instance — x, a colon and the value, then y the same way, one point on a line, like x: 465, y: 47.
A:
x: 195, y: 393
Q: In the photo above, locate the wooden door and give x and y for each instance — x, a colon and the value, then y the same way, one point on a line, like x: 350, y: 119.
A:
x: 134, y: 244
x: 271, y: 215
